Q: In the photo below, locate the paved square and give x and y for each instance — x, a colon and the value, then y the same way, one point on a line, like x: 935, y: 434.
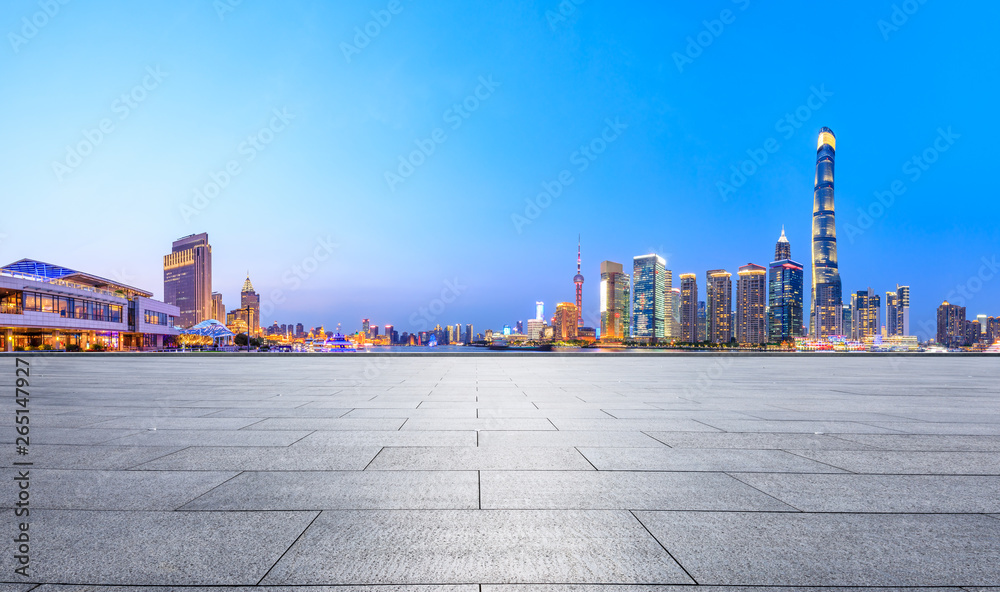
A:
x: 504, y: 473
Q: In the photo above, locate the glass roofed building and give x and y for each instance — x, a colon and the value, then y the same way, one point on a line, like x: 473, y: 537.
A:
x: 45, y: 306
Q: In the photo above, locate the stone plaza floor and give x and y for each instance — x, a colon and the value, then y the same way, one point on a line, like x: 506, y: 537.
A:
x: 504, y: 473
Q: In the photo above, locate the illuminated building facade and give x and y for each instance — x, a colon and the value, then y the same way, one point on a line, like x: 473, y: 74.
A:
x: 187, y: 279
x: 719, y: 289
x: 45, y: 306
x: 992, y: 330
x: 785, y: 293
x: 951, y: 325
x: 751, y: 305
x: 866, y: 315
x: 674, y: 315
x: 668, y: 305
x: 218, y: 308
x: 536, y: 328
x: 615, y: 299
x: 897, y: 311
x: 827, y: 294
x: 564, y: 322
x: 689, y: 307
x: 648, y: 306
x: 250, y: 302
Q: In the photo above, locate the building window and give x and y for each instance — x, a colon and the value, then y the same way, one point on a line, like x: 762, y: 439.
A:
x: 158, y: 318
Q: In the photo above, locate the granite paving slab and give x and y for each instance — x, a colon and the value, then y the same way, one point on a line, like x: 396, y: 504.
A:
x: 210, y: 438
x: 881, y: 493
x: 563, y: 438
x: 692, y: 459
x: 765, y: 441
x: 468, y: 458
x: 265, y: 458
x: 512, y: 424
x: 344, y: 490
x: 924, y: 442
x: 388, y: 438
x: 486, y: 546
x: 794, y: 549
x: 158, y: 548
x: 603, y: 490
x: 908, y: 462
x: 55, y: 489
x: 73, y: 456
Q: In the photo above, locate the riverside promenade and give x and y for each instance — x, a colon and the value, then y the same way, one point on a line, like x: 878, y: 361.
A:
x: 499, y: 473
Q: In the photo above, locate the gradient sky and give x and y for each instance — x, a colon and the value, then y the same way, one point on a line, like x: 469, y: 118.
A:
x: 561, y: 78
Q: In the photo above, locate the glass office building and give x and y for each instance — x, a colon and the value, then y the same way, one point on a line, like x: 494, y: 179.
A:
x: 648, y: 302
x: 784, y: 294
x: 827, y: 294
x: 615, y: 298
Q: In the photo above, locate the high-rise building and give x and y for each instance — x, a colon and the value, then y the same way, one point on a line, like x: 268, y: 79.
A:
x: 300, y: 330
x: 535, y: 328
x: 218, y: 309
x: 615, y: 298
x: 992, y: 330
x: 689, y: 308
x: 469, y: 335
x: 866, y: 315
x: 972, y: 333
x: 564, y: 322
x: 702, y: 321
x: 751, y: 305
x: 668, y: 305
x: 519, y: 327
x: 897, y: 311
x: 578, y: 281
x: 366, y: 326
x: 388, y: 333
x: 951, y: 325
x: 983, y: 320
x: 674, y: 315
x: 250, y: 302
x: 827, y: 294
x: 648, y: 310
x: 719, y: 292
x: 784, y: 300
x: 539, y: 311
x: 187, y: 279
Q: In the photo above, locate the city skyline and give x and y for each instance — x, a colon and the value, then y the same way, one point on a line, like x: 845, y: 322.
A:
x: 641, y: 118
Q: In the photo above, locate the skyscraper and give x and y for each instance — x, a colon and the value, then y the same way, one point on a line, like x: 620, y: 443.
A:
x: 250, y: 302
x: 951, y: 325
x: 187, y: 279
x: 564, y: 321
x: 784, y: 310
x: 674, y: 315
x: 469, y: 335
x: 897, y: 311
x: 578, y: 280
x: 615, y: 298
x: 719, y: 316
x: 866, y: 315
x: 218, y: 308
x: 702, y: 322
x: 366, y: 326
x: 668, y: 304
x: 689, y: 308
x: 539, y: 311
x: 648, y: 311
x: 751, y: 305
x: 827, y: 295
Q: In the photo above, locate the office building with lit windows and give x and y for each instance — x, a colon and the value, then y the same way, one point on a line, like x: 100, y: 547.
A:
x: 187, y: 279
x: 827, y: 294
x: 784, y: 294
x: 45, y: 306
x: 615, y: 301
x: 897, y: 311
x: 648, y: 306
x: 564, y: 322
x: 866, y: 315
x: 689, y: 308
x: 719, y: 316
x: 951, y: 328
x: 751, y: 305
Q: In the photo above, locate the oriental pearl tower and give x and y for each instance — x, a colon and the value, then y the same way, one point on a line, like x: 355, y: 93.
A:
x: 578, y: 280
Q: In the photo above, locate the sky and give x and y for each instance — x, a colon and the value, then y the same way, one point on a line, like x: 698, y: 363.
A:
x: 418, y: 163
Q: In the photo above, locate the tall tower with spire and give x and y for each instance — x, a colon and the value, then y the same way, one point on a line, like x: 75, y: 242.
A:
x: 827, y: 297
x: 250, y: 306
x: 783, y: 250
x: 578, y: 280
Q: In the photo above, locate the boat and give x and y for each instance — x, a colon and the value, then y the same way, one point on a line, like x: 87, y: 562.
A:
x: 498, y: 344
x: 339, y: 343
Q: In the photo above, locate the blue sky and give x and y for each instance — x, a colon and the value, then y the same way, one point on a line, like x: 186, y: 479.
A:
x: 533, y: 83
